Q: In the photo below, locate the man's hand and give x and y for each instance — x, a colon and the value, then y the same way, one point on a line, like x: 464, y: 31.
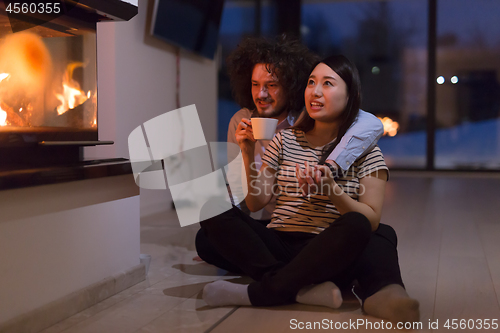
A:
x: 244, y: 136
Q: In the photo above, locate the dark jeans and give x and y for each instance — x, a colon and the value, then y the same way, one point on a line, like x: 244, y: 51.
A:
x: 284, y: 262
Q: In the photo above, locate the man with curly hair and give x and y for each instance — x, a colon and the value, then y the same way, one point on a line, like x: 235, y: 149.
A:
x: 268, y: 79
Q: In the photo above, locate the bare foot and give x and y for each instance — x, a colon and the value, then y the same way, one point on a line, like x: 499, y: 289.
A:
x: 197, y: 258
x: 392, y: 303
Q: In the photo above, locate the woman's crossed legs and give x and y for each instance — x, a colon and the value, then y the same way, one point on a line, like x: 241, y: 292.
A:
x: 283, y: 263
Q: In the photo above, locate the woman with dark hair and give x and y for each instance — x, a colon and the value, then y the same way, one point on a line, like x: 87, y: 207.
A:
x: 330, y: 237
x: 349, y: 74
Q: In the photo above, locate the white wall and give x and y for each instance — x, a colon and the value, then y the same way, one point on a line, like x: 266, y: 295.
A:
x: 137, y: 81
x: 60, y: 238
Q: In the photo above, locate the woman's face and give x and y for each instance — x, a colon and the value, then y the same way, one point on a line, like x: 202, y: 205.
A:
x: 325, y: 95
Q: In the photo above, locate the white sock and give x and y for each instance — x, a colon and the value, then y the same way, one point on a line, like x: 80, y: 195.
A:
x: 221, y: 293
x: 324, y: 294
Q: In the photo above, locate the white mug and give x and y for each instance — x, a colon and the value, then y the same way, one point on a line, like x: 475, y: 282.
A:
x: 264, y: 128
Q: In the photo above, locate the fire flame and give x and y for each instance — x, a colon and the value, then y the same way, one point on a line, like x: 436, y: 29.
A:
x: 3, y: 114
x: 72, y: 95
x: 3, y: 117
x: 390, y: 127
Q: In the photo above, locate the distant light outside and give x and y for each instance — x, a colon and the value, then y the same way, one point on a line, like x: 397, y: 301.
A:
x: 375, y: 70
x: 440, y: 80
x: 454, y: 79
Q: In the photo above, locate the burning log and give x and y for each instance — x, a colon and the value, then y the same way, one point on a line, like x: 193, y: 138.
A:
x: 72, y: 117
x: 14, y: 118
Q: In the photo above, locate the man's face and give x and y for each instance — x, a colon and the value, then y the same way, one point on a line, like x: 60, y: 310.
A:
x: 267, y: 93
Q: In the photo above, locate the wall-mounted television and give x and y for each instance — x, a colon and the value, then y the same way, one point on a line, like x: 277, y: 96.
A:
x: 189, y: 24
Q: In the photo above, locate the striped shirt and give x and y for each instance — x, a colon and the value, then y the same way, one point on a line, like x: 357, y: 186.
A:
x: 313, y: 213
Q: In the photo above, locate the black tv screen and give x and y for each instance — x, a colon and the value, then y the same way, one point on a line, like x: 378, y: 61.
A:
x: 190, y: 24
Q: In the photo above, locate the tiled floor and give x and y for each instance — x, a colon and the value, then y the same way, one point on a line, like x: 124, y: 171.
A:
x: 448, y: 229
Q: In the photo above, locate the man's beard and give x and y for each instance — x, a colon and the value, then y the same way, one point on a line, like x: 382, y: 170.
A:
x: 270, y: 114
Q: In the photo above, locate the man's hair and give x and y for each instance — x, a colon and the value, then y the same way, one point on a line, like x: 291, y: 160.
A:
x: 286, y: 58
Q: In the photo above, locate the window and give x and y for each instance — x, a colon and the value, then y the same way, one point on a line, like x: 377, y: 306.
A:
x: 467, y: 85
x: 387, y: 40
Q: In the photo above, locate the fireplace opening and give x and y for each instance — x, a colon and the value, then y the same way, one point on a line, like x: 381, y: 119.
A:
x: 48, y: 85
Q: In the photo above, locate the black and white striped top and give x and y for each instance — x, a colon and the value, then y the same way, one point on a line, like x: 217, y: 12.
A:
x: 313, y: 213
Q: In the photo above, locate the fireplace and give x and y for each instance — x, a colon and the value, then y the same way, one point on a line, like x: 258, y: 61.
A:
x: 66, y: 219
x: 48, y: 84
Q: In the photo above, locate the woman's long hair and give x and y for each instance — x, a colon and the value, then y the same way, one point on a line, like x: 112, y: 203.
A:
x: 349, y: 73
